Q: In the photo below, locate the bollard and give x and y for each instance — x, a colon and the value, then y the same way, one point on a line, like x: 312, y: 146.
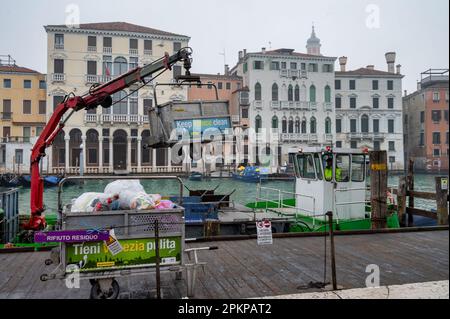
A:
x: 158, y: 273
x: 333, y: 256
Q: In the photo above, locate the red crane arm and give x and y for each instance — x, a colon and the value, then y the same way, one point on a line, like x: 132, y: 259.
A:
x: 100, y: 95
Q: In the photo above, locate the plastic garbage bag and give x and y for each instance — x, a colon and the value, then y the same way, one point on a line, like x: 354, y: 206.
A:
x: 165, y: 204
x: 119, y: 186
x: 86, y: 202
x: 143, y: 200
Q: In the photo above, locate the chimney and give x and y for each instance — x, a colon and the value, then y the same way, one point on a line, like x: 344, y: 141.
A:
x: 240, y: 55
x: 245, y: 52
x: 390, y: 59
x: 227, y: 70
x: 370, y: 67
x: 419, y: 86
x: 343, y: 62
x: 406, y: 92
x: 263, y: 50
x: 399, y: 68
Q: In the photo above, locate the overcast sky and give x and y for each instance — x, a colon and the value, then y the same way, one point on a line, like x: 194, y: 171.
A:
x: 363, y: 30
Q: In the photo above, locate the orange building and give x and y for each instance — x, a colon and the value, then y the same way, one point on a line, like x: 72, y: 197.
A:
x: 226, y: 84
x: 426, y: 122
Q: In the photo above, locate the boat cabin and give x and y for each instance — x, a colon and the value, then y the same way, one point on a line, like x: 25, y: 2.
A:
x: 330, y: 180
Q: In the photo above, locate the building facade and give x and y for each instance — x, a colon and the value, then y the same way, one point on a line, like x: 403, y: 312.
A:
x: 23, y: 103
x: 426, y: 122
x: 290, y: 97
x: 369, y: 110
x: 109, y: 139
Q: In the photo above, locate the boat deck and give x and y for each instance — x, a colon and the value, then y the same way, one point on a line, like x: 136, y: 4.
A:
x: 242, y: 269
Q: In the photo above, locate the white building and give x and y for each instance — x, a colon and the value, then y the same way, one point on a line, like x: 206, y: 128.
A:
x: 291, y: 93
x: 17, y: 153
x: 113, y: 138
x: 369, y: 110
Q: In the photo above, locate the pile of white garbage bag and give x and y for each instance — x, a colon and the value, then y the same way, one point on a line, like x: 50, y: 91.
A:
x: 120, y: 195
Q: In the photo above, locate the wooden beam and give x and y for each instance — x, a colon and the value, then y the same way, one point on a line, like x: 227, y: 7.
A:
x: 378, y: 188
x: 441, y: 200
x: 410, y: 182
x: 424, y: 195
x: 421, y: 212
x: 401, y: 201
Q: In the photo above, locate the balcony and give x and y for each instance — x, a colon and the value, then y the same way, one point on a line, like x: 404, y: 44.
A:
x: 295, y: 137
x: 328, y: 138
x: 6, y: 116
x: 275, y: 104
x: 148, y: 52
x: 328, y: 107
x: 91, y: 78
x: 107, y: 50
x: 313, y: 138
x: 92, y: 49
x: 90, y: 118
x: 58, y: 77
x: 284, y: 105
x: 235, y: 119
x: 134, y: 52
x: 59, y: 46
x: 313, y: 105
x: 365, y: 136
x: 303, y: 74
x: 116, y: 118
x: 284, y: 73
x: 257, y: 104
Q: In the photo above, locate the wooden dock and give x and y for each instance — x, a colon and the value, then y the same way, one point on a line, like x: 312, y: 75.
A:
x: 242, y: 269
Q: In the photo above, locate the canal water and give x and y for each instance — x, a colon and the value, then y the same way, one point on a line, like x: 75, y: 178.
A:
x: 243, y: 192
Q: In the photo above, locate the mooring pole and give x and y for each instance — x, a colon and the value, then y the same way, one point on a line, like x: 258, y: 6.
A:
x: 401, y: 201
x: 442, y: 200
x: 410, y: 181
x: 378, y: 188
x: 333, y: 256
x: 158, y: 274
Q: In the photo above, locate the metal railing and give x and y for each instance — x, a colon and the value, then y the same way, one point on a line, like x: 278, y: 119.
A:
x: 280, y: 198
x: 366, y: 201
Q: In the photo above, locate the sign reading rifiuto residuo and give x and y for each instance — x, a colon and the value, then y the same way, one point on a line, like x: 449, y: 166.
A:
x: 71, y: 236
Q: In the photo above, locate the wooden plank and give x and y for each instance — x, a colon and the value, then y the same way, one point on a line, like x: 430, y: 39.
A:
x: 421, y: 212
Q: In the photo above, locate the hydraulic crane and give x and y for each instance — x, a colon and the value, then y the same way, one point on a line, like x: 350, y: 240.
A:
x: 97, y: 95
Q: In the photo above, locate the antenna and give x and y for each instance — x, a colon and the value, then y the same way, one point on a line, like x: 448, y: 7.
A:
x: 224, y: 57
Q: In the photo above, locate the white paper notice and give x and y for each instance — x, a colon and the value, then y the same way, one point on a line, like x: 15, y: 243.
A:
x: 113, y: 244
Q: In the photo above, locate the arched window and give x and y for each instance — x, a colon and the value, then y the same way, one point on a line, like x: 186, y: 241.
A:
x: 297, y: 93
x: 258, y: 92
x: 274, y: 92
x: 290, y: 93
x: 364, y: 124
x: 312, y: 126
x: 275, y: 122
x: 120, y: 66
x: 291, y: 125
x: 297, y: 125
x: 312, y: 93
x: 304, y: 126
x: 327, y: 94
x: 258, y: 123
x: 284, y: 125
x: 327, y: 125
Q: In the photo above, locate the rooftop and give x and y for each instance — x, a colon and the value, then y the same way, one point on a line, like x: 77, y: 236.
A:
x: 367, y: 72
x: 291, y: 52
x: 118, y: 26
x: 217, y: 76
x: 16, y: 69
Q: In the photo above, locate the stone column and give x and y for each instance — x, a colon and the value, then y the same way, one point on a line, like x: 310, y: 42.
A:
x: 154, y: 158
x: 111, y: 154
x: 169, y: 158
x: 67, y: 153
x: 100, y: 154
x: 129, y: 154
x: 83, y: 149
x: 139, y: 154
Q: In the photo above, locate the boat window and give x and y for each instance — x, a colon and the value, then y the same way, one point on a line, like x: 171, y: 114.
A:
x: 327, y: 161
x: 293, y: 158
x: 318, y: 164
x: 342, y: 170
x: 358, y: 168
x: 306, y: 166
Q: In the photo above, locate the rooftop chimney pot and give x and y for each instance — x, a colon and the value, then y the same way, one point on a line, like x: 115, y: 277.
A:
x: 390, y: 59
x: 343, y: 62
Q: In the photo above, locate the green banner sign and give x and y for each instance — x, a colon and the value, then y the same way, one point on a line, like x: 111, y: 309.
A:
x: 135, y: 252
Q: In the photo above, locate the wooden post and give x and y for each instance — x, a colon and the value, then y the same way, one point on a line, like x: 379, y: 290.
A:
x: 410, y: 182
x: 401, y: 201
x: 378, y: 188
x: 333, y: 254
x: 441, y: 200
